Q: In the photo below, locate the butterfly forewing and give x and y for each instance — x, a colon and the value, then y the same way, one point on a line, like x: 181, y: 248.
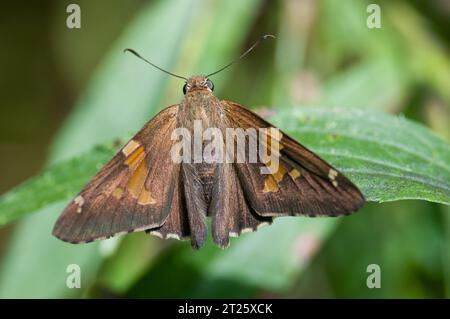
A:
x: 131, y: 192
x: 303, y: 184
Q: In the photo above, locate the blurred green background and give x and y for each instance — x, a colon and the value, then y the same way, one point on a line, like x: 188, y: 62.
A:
x: 65, y: 90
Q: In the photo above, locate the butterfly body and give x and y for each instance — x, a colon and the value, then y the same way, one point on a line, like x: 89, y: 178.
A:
x: 144, y: 188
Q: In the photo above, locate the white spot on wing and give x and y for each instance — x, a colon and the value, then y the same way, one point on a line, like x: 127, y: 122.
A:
x: 156, y: 233
x: 332, y: 176
x: 174, y: 236
x: 246, y: 230
x: 262, y: 225
x: 79, y: 200
x: 130, y: 147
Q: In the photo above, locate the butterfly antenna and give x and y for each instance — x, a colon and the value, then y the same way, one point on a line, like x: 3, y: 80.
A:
x: 243, y: 55
x: 153, y: 65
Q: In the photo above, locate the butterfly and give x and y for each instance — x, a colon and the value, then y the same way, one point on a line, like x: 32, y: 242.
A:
x: 143, y: 189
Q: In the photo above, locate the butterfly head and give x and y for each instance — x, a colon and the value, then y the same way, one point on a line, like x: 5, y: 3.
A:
x: 198, y: 82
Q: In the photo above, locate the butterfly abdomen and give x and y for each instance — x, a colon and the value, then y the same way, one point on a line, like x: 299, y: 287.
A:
x: 205, y: 172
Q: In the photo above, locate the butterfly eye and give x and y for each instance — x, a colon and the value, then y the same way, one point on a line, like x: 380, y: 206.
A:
x: 184, y: 88
x: 210, y: 84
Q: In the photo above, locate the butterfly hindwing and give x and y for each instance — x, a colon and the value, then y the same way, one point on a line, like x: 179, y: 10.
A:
x: 231, y: 213
x: 132, y: 192
x: 304, y: 184
x: 176, y: 225
x: 187, y: 215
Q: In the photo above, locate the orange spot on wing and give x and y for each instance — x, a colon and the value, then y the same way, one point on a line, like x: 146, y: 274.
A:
x: 137, y: 180
x: 294, y: 173
x: 136, y: 158
x: 270, y: 185
x: 279, y: 174
x: 145, y: 198
x: 118, y: 193
x: 136, y: 184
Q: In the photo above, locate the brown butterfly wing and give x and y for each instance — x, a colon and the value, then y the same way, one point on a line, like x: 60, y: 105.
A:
x: 304, y: 183
x: 187, y: 216
x: 176, y: 225
x: 231, y: 212
x: 132, y: 192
